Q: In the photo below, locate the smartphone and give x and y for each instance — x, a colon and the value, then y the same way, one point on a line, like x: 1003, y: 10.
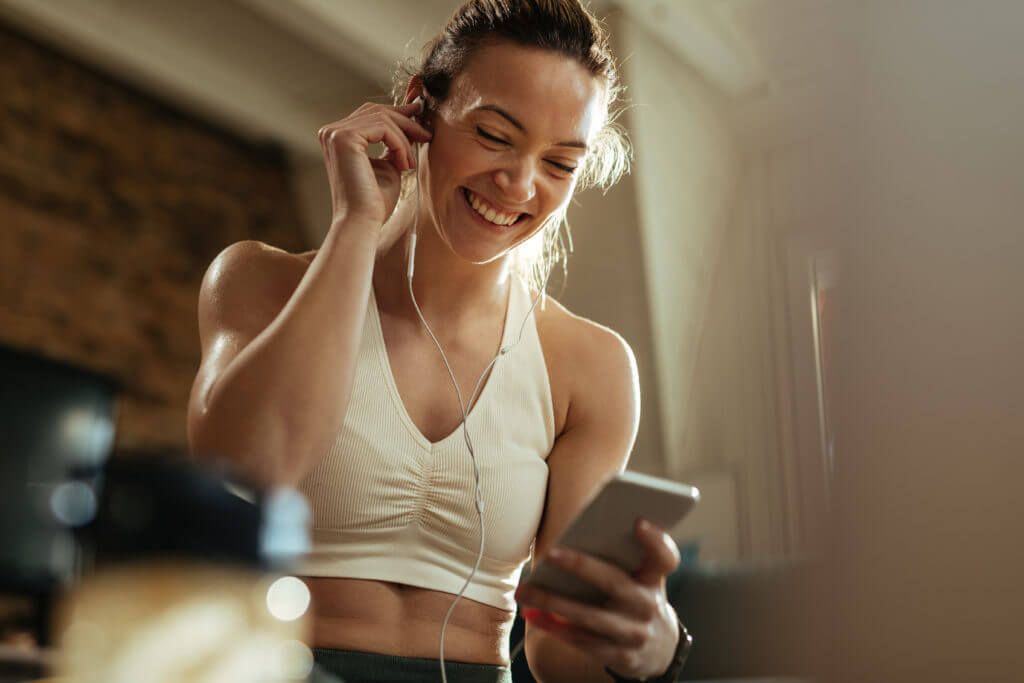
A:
x: 605, y: 528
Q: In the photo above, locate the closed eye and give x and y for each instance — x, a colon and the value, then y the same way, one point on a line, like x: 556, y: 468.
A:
x: 487, y: 136
x: 493, y: 138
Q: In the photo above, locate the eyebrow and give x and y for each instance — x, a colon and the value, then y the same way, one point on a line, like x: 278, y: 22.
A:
x: 518, y: 124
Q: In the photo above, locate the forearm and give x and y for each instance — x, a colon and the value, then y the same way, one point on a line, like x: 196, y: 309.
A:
x: 553, y: 661
x: 275, y: 407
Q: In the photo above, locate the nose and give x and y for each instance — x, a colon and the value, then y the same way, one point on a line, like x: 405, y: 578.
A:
x: 517, y: 181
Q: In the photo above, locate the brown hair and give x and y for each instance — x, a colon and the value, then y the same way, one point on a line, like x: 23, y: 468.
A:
x: 561, y: 26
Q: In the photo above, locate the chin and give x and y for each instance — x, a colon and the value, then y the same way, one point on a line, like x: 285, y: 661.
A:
x: 472, y: 238
x: 475, y: 251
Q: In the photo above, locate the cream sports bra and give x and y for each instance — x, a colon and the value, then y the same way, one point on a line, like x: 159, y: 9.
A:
x: 390, y: 505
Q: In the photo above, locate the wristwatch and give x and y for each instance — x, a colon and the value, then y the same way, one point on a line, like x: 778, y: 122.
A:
x: 674, y: 669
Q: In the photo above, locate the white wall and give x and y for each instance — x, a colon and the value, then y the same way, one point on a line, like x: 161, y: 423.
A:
x: 715, y: 253
x: 929, y: 515
x: 737, y: 421
x: 686, y: 168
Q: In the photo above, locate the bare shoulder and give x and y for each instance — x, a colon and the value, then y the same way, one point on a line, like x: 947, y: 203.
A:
x: 250, y: 265
x: 579, y: 337
x: 594, y: 381
x: 591, y: 367
x: 245, y: 287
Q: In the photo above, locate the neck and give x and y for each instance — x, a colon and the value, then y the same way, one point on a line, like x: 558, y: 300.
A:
x: 446, y: 287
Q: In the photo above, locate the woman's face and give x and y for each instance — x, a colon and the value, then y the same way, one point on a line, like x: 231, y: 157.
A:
x: 506, y: 143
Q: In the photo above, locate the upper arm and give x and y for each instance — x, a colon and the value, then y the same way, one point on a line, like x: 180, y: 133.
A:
x: 239, y: 297
x: 600, y: 428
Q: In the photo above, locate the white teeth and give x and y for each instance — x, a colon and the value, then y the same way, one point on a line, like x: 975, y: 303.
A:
x: 489, y: 213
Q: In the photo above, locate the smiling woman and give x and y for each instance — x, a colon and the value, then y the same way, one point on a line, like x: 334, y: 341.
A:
x: 553, y: 27
x: 334, y: 369
x: 514, y: 138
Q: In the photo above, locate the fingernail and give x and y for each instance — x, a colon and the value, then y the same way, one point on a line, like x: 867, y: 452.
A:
x: 531, y: 614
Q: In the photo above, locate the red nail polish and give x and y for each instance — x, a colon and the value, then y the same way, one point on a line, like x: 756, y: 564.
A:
x: 531, y: 614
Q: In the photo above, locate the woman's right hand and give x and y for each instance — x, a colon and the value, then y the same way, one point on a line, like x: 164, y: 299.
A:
x: 362, y: 188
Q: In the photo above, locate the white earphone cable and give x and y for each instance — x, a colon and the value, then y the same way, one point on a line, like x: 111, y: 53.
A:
x: 462, y: 406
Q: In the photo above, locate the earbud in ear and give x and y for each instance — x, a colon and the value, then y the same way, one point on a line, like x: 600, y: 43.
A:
x: 423, y: 107
x: 423, y: 117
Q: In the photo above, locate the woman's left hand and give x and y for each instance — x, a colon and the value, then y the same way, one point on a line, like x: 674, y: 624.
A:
x: 635, y: 632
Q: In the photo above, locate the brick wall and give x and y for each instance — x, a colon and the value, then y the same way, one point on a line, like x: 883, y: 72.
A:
x: 112, y: 205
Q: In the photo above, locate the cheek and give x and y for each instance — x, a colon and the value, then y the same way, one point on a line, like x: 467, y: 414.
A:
x: 455, y: 162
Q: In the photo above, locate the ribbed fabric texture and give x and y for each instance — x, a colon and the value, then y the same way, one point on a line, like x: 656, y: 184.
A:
x: 390, y: 505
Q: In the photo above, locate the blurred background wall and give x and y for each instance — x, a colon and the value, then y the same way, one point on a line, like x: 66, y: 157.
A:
x: 113, y: 203
x: 141, y: 138
x: 928, y: 531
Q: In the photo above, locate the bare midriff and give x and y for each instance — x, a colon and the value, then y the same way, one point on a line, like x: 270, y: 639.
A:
x: 397, y: 619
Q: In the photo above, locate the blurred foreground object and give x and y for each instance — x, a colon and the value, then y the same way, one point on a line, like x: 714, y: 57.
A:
x: 187, y: 583
x: 54, y: 418
x: 928, y: 533
x: 748, y: 621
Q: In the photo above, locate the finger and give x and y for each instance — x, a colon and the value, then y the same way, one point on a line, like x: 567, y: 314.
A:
x: 378, y: 127
x: 377, y: 123
x: 612, y: 580
x: 396, y: 159
x: 599, y: 621
x: 364, y: 130
x: 405, y: 110
x: 410, y: 108
x: 408, y: 131
x: 414, y: 130
x: 662, y: 554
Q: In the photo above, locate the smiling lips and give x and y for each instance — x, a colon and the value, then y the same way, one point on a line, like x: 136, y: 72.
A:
x: 488, y: 212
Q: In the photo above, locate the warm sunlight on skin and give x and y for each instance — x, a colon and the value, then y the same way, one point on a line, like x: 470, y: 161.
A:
x: 526, y: 168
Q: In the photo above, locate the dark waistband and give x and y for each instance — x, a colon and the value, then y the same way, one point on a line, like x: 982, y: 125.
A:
x: 368, y: 667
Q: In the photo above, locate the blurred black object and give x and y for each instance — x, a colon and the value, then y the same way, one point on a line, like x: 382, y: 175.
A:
x: 747, y: 621
x: 173, y: 541
x: 54, y: 417
x: 165, y: 506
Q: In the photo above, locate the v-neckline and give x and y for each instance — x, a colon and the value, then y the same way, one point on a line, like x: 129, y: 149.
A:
x: 389, y: 375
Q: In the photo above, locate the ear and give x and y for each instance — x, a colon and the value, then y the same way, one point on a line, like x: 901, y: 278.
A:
x: 415, y: 89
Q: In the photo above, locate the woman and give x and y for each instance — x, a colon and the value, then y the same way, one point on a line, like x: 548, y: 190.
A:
x: 318, y: 369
